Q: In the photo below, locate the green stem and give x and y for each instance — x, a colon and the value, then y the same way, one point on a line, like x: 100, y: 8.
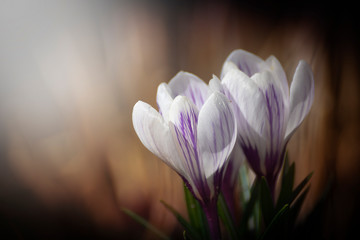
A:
x: 257, y: 218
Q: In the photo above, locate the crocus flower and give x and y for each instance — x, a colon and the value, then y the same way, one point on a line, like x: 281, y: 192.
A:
x: 193, y: 134
x: 267, y: 114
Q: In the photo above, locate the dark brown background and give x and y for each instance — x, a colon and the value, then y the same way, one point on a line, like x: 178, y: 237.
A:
x: 72, y: 71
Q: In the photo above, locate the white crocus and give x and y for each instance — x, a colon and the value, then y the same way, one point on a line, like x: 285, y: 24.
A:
x: 193, y: 134
x: 266, y: 112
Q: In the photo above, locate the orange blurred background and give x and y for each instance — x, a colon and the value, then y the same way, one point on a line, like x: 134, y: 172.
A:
x: 71, y: 71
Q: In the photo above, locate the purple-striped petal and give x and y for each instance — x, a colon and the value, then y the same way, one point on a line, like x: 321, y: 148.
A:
x: 245, y: 61
x: 248, y: 100
x: 275, y: 107
x: 236, y: 159
x: 216, y: 133
x: 183, y: 117
x: 154, y: 133
x: 231, y: 176
x: 249, y: 105
x: 274, y: 129
x: 301, y: 97
x: 189, y: 85
x: 279, y: 76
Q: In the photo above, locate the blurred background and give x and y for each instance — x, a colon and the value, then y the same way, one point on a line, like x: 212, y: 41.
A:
x: 71, y: 71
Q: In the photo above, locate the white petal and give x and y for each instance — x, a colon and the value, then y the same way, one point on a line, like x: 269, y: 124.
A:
x: 279, y: 74
x: 301, y: 96
x: 183, y: 117
x: 276, y: 119
x: 250, y: 111
x: 189, y: 85
x: 227, y: 67
x: 276, y: 111
x: 154, y: 133
x: 216, y: 133
x: 215, y: 85
x: 248, y: 99
x: 164, y: 98
x: 245, y: 61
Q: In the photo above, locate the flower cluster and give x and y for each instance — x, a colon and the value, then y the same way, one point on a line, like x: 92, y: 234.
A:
x: 204, y: 132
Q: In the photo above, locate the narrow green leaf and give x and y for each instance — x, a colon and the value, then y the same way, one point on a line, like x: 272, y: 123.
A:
x: 190, y: 231
x: 296, y: 206
x: 226, y: 217
x: 300, y: 187
x: 286, y: 162
x: 257, y: 218
x: 194, y: 209
x: 275, y: 221
x: 196, y: 214
x: 145, y: 223
x: 245, y: 184
x: 249, y: 206
x: 287, y: 184
x: 266, y: 202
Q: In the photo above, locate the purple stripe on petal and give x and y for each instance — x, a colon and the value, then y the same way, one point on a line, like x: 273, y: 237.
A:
x: 216, y: 132
x: 193, y: 165
x: 185, y: 150
x: 186, y: 137
x: 273, y: 174
x: 252, y: 155
x: 217, y: 135
x: 273, y: 129
x: 275, y: 107
x: 184, y: 116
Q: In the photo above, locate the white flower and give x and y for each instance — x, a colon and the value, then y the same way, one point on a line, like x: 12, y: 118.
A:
x: 266, y: 113
x: 194, y: 133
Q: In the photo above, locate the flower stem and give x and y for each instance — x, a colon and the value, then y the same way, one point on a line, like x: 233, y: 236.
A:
x: 272, y: 186
x: 211, y: 214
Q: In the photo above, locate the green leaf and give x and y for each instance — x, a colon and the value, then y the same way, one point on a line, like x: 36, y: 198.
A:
x: 189, y: 230
x: 296, y: 206
x: 300, y: 187
x: 287, y: 184
x: 145, y: 223
x: 226, y: 217
x: 286, y: 162
x: 266, y: 202
x: 249, y: 206
x: 245, y: 184
x: 257, y: 218
x: 274, y: 224
x: 196, y: 214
